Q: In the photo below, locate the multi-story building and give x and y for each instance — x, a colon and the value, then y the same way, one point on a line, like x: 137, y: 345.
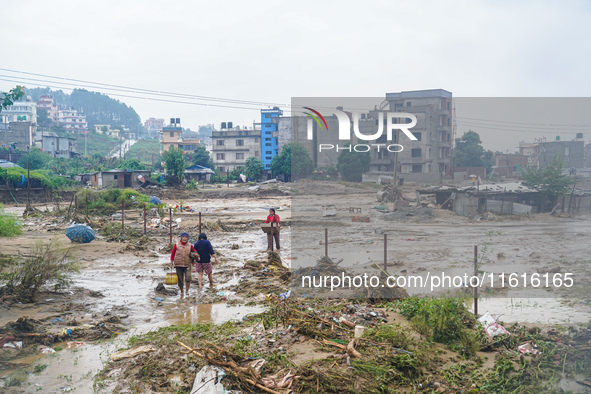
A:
x: 20, y: 111
x: 429, y: 158
x: 154, y: 124
x: 172, y: 136
x: 541, y: 152
x: 231, y: 148
x: 70, y: 120
x: 571, y: 153
x: 46, y: 103
x: 269, y: 142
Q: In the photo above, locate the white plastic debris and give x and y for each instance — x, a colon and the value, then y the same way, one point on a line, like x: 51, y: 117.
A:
x: 491, y: 327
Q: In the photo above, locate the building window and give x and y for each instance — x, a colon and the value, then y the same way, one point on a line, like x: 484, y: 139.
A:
x: 417, y: 168
x: 257, y: 153
x: 171, y: 134
x: 239, y: 142
x: 221, y: 169
x: 239, y: 156
x: 268, y: 144
x: 114, y: 176
x: 256, y: 140
x: 268, y: 157
x: 418, y: 135
x: 268, y: 152
x: 408, y: 104
x: 416, y: 153
x: 221, y: 156
x: 267, y: 116
x: 219, y: 142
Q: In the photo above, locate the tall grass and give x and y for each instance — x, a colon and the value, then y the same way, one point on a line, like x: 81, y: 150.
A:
x: 9, y: 224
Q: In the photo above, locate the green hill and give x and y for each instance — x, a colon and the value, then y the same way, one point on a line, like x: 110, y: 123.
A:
x: 98, y: 108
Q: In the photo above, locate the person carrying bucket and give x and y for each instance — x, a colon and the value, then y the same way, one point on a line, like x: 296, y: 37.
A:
x: 180, y: 257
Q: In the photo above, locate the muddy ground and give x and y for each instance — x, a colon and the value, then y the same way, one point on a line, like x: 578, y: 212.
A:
x: 115, y: 297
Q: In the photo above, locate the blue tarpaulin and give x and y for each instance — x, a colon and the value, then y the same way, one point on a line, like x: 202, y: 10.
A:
x: 80, y: 233
x: 155, y: 200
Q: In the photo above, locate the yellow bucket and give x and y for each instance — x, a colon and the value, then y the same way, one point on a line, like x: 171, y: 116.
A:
x: 171, y: 278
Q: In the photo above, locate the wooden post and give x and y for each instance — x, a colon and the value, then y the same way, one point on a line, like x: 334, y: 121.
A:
x: 70, y: 206
x: 122, y: 215
x: 271, y: 236
x: 28, y: 183
x: 75, y: 203
x: 170, y: 223
x: 144, y: 219
x: 385, y: 252
x: 199, y: 222
x: 475, y: 274
x: 88, y: 220
x: 326, y: 241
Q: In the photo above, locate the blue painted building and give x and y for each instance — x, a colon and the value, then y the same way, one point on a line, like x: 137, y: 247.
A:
x: 269, y: 144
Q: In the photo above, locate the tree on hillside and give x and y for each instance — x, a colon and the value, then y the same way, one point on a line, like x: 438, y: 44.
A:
x: 131, y: 164
x: 37, y: 159
x: 253, y: 168
x: 549, y: 181
x: 8, y: 98
x: 201, y: 157
x: 294, y: 162
x: 470, y: 153
x: 42, y: 118
x: 353, y: 164
x: 175, y: 162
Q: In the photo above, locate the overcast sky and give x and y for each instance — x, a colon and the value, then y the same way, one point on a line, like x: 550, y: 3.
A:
x: 274, y: 50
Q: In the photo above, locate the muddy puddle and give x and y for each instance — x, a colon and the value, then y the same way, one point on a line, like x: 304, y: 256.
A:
x: 126, y: 287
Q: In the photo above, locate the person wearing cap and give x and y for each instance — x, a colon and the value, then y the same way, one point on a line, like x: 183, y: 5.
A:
x: 273, y: 218
x: 205, y: 251
x: 180, y: 257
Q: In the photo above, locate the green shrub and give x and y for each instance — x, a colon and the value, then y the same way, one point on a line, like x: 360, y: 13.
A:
x: 443, y: 319
x: 46, y: 264
x: 107, y: 202
x: 191, y: 185
x: 9, y: 224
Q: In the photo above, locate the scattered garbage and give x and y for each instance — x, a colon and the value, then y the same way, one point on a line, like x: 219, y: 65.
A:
x: 132, y: 352
x: 529, y: 348
x: 359, y: 331
x: 491, y: 327
x: 14, y: 345
x: 75, y: 344
x: 80, y: 233
x: 208, y: 380
x: 47, y: 350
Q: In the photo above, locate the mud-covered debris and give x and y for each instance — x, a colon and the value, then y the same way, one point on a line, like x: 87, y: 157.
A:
x: 132, y: 352
x: 163, y: 290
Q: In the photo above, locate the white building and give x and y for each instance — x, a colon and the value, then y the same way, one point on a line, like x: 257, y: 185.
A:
x: 46, y: 103
x: 69, y: 119
x: 20, y: 111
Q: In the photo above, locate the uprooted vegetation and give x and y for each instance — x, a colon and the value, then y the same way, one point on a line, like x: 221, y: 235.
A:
x: 46, y: 264
x: 302, y: 345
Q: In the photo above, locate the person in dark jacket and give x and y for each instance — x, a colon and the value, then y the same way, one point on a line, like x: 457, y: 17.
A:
x: 205, y: 252
x: 273, y: 218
